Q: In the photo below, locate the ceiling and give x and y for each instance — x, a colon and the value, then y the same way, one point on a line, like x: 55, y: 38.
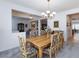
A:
x: 55, y: 5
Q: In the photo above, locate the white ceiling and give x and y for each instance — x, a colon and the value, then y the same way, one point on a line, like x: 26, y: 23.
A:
x: 55, y: 5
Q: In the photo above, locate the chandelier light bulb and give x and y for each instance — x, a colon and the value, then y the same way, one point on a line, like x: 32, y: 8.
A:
x: 54, y: 13
x: 51, y: 15
x: 43, y: 13
x: 47, y: 11
x: 31, y: 17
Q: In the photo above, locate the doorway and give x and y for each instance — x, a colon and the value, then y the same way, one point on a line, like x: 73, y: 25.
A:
x: 73, y: 28
x: 43, y: 26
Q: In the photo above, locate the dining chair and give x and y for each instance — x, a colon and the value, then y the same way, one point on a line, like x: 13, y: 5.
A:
x: 27, y: 51
x: 57, y: 41
x: 62, y: 40
x: 52, y: 50
x: 33, y: 33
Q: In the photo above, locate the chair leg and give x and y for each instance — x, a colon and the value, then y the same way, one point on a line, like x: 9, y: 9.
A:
x: 50, y: 54
x: 55, y: 51
x: 37, y: 54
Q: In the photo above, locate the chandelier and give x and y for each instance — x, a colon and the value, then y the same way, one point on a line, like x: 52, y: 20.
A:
x: 48, y: 13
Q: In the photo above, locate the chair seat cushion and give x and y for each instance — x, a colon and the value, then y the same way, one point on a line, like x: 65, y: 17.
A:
x: 46, y: 51
x: 31, y: 50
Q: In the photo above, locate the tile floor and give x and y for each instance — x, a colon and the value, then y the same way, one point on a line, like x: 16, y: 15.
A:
x: 12, y: 53
x: 69, y: 51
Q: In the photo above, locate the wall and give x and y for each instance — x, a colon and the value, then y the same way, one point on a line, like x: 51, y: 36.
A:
x: 62, y: 18
x: 8, y: 39
x: 16, y: 20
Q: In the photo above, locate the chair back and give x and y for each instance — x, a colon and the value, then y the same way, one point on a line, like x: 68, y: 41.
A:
x: 32, y: 33
x: 54, y: 39
x: 22, y: 43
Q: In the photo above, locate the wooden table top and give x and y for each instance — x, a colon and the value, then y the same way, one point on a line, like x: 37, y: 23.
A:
x: 40, y: 41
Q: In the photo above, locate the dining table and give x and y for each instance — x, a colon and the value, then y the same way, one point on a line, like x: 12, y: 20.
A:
x: 40, y: 42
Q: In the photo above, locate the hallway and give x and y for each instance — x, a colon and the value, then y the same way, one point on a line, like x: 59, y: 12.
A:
x: 76, y: 37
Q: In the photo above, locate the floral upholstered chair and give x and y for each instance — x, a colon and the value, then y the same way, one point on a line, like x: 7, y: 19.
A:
x: 57, y: 41
x: 27, y: 51
x: 51, y: 51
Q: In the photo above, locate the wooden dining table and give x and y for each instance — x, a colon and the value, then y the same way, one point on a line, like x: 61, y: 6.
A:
x: 40, y: 42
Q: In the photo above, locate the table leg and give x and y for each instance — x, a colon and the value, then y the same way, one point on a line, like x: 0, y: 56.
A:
x: 40, y: 52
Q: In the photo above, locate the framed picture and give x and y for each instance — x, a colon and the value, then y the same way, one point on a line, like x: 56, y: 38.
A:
x: 33, y: 24
x: 56, y: 24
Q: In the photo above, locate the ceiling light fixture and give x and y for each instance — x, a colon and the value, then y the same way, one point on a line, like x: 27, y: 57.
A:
x: 48, y: 13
